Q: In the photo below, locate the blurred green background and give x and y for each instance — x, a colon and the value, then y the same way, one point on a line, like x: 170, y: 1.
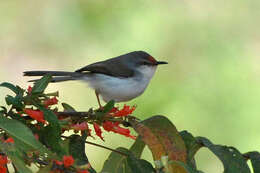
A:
x: 211, y: 86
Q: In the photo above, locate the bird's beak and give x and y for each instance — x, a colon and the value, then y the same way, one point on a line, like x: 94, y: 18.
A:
x: 161, y: 62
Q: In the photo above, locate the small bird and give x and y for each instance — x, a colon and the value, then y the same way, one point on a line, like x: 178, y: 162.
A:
x: 121, y: 79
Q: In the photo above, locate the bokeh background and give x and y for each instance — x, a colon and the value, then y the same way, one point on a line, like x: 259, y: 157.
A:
x: 211, y: 86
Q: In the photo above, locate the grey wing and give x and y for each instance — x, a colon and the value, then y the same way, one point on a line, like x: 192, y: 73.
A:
x: 110, y: 67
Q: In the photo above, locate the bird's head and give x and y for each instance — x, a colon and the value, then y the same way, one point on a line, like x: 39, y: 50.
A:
x: 143, y: 58
x: 144, y: 63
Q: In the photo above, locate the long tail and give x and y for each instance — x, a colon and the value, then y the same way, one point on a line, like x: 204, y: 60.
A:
x: 62, y: 75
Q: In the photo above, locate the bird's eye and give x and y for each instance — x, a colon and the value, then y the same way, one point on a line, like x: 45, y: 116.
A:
x: 145, y: 63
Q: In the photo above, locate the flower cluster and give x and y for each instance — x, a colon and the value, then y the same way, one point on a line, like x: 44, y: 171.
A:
x: 127, y: 110
x: 114, y: 126
x: 59, y: 166
x: 37, y: 114
x: 34, y: 108
x: 107, y: 125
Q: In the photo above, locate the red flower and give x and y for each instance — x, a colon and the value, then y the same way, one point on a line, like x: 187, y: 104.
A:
x: 68, y: 161
x: 113, y: 110
x: 98, y: 130
x: 123, y: 131
x: 9, y: 140
x: 3, y: 162
x: 3, y: 169
x: 127, y: 110
x: 114, y: 127
x: 82, y: 171
x: 52, y: 101
x: 35, y: 114
x: 108, y: 126
x: 36, y: 136
x: 29, y: 89
x: 57, y: 162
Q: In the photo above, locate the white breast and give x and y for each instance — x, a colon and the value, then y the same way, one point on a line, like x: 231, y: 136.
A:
x: 121, y: 89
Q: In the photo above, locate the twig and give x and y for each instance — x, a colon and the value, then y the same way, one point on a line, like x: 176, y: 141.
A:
x: 101, y: 146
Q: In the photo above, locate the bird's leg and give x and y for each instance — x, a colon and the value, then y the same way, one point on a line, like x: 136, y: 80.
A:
x: 100, y: 107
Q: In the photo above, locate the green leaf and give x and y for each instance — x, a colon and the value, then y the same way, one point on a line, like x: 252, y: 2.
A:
x: 231, y: 158
x: 138, y: 147
x: 41, y: 84
x: 51, y: 134
x: 139, y: 165
x: 186, y: 167
x: 45, y: 169
x: 101, y: 113
x: 10, y: 86
x: 108, y: 106
x: 20, y: 132
x: 16, y: 102
x: 3, y: 110
x: 192, y: 146
x: 77, y: 149
x: 49, y: 116
x: 254, y: 157
x: 91, y: 170
x: 67, y: 107
x: 18, y: 161
x: 116, y: 163
x: 65, y: 145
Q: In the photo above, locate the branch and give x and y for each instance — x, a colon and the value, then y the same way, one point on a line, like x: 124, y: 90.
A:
x: 89, y: 114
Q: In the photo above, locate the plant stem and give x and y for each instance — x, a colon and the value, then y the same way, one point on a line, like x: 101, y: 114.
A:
x: 101, y: 146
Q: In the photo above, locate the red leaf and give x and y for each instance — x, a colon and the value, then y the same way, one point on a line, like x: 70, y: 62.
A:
x: 162, y: 138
